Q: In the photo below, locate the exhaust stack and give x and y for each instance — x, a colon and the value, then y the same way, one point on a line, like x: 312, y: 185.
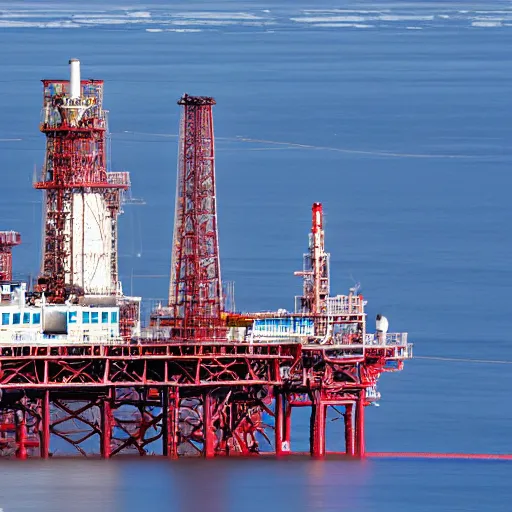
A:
x: 74, y: 82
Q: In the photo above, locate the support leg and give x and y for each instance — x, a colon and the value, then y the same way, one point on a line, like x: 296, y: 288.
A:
x: 317, y: 429
x: 287, y: 427
x: 106, y: 426
x: 171, y: 409
x: 360, y: 450
x: 44, y: 450
x: 349, y: 430
x: 21, y: 435
x: 208, y: 432
x: 279, y: 423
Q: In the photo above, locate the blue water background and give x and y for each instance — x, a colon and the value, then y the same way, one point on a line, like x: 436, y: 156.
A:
x: 399, y: 123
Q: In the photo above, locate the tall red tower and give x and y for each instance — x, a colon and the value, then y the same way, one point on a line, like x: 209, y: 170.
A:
x: 315, y: 272
x: 81, y: 202
x: 8, y: 240
x: 195, y: 296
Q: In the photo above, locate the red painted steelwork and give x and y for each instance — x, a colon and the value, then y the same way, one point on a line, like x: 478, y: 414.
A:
x: 349, y: 430
x: 75, y: 161
x: 431, y: 455
x: 8, y: 240
x: 360, y: 442
x: 179, y: 365
x: 195, y: 296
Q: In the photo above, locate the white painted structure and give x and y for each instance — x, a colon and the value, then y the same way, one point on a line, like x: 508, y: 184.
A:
x: 90, y: 230
x: 74, y: 82
x: 92, y: 248
x: 63, y: 324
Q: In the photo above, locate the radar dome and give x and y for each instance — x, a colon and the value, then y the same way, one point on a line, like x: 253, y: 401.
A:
x: 382, y: 324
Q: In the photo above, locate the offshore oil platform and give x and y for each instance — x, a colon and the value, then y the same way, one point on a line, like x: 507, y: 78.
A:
x: 77, y: 369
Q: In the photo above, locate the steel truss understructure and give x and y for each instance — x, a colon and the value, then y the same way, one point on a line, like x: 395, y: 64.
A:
x: 178, y: 400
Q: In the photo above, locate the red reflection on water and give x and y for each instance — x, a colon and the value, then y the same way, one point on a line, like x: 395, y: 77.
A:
x: 431, y: 455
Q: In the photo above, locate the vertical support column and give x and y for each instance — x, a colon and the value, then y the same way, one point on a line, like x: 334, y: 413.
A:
x: 170, y: 424
x: 44, y: 450
x: 106, y: 425
x: 208, y: 432
x: 21, y: 435
x: 287, y: 426
x: 279, y: 422
x: 166, y: 421
x: 360, y: 448
x: 317, y: 428
x: 349, y: 430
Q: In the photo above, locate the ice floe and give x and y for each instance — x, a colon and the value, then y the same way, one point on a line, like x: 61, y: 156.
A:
x: 329, y: 19
x: 389, y: 17
x: 139, y: 14
x: 35, y: 24
x: 241, y: 16
x: 341, y: 25
x: 486, y: 24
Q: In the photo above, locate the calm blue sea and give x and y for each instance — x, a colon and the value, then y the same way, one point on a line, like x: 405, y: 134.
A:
x: 395, y: 115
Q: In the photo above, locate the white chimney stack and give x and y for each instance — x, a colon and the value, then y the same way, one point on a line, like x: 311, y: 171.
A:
x: 74, y: 82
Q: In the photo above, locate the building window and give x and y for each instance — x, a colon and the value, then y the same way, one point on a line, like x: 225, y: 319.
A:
x: 72, y: 317
x: 113, y: 317
x: 16, y: 318
x: 5, y: 318
x: 94, y: 317
x: 26, y: 318
x: 36, y: 318
x: 104, y: 317
x: 85, y: 317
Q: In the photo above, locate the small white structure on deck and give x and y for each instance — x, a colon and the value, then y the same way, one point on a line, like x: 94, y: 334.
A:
x: 54, y: 323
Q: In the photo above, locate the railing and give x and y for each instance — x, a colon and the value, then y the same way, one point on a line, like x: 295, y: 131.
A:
x: 10, y: 238
x: 119, y: 178
x: 372, y: 394
x: 344, y: 305
x: 20, y: 337
x: 53, y: 121
x: 391, y: 338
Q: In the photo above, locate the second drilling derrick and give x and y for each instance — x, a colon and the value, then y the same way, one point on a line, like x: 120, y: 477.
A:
x: 195, y: 291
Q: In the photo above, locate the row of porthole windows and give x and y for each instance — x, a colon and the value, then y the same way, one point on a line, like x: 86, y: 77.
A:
x: 19, y: 318
x: 88, y: 317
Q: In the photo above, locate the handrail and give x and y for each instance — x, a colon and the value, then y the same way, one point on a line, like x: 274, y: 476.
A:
x: 390, y: 338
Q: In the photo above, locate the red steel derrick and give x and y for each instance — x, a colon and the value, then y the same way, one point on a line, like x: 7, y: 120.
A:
x: 199, y: 381
x: 195, y: 296
x: 8, y: 240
